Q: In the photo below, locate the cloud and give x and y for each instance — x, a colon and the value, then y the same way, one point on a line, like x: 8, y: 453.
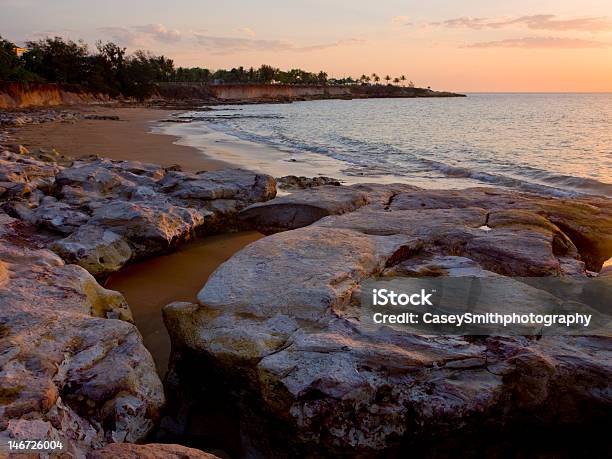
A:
x: 122, y: 35
x: 246, y: 31
x: 141, y: 35
x: 534, y: 22
x: 232, y: 45
x: 400, y: 20
x: 43, y: 34
x: 160, y: 32
x: 541, y: 42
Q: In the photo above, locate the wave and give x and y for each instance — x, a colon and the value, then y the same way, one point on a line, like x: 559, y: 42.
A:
x: 391, y: 160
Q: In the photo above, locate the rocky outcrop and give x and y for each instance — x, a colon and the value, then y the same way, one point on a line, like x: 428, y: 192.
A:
x: 102, y: 214
x: 266, y: 93
x: 302, y: 208
x: 150, y: 451
x: 583, y: 225
x: 279, y: 327
x: 73, y: 368
x: 293, y: 182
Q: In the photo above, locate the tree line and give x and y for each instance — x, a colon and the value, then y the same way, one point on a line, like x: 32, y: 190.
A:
x: 109, y: 69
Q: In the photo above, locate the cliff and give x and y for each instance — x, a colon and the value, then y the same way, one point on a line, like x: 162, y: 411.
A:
x: 285, y: 92
x: 23, y: 95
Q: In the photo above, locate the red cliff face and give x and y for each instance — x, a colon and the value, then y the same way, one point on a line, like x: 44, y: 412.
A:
x: 23, y: 95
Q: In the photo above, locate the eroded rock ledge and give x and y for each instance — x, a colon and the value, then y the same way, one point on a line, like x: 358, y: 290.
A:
x: 72, y: 366
x: 102, y: 214
x: 277, y: 328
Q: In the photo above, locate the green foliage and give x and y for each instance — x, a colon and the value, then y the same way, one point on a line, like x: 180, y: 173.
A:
x: 109, y: 70
x: 56, y: 60
x: 264, y: 75
x: 11, y: 67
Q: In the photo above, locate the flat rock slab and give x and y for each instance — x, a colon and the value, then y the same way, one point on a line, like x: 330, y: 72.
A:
x: 304, y: 207
x: 279, y: 325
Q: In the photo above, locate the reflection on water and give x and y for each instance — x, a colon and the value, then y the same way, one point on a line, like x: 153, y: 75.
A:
x: 151, y: 284
x: 549, y: 143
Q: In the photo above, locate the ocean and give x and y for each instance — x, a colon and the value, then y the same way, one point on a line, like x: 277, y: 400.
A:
x: 558, y: 144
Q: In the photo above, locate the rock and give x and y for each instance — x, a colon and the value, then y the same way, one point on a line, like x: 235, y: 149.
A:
x: 147, y: 209
x: 238, y: 184
x: 292, y: 182
x: 59, y: 217
x: 305, y: 207
x: 148, y: 451
x: 16, y: 169
x: 73, y: 367
x: 149, y: 228
x: 278, y: 327
x: 102, y: 117
x: 97, y: 180
x: 586, y: 221
x: 100, y: 251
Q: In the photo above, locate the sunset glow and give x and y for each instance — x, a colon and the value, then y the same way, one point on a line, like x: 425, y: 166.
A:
x: 472, y: 45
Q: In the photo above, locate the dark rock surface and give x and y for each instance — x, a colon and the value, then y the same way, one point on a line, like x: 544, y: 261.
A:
x: 278, y: 325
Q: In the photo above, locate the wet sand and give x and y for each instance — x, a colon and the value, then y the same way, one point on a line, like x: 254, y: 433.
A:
x: 179, y: 276
x: 128, y: 138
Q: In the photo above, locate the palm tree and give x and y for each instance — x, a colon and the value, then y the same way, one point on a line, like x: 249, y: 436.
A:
x: 376, y: 78
x: 387, y: 79
x: 363, y: 78
x: 367, y: 79
x: 403, y: 79
x: 396, y: 80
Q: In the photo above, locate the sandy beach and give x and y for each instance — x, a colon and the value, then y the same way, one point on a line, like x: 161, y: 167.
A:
x: 129, y: 138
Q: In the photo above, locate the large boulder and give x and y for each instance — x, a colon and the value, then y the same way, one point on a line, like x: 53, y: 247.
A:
x: 73, y: 367
x: 150, y: 228
x: 279, y: 330
x: 100, y: 251
x: 238, y: 184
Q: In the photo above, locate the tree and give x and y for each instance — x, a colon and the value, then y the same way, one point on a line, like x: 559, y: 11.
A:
x: 322, y: 77
x: 266, y: 73
x: 387, y: 78
x: 11, y: 67
x: 396, y: 80
x: 376, y: 78
x: 403, y: 79
x: 56, y: 60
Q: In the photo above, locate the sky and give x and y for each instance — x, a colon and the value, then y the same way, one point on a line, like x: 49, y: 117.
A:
x: 455, y: 45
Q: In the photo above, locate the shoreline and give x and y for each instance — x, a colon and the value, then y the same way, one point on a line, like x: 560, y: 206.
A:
x: 128, y: 138
x: 277, y: 310
x: 150, y: 284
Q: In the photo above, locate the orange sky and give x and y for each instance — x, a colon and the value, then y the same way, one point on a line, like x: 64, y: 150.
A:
x: 467, y: 45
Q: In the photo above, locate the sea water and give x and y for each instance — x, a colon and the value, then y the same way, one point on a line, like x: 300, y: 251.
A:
x: 559, y: 144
